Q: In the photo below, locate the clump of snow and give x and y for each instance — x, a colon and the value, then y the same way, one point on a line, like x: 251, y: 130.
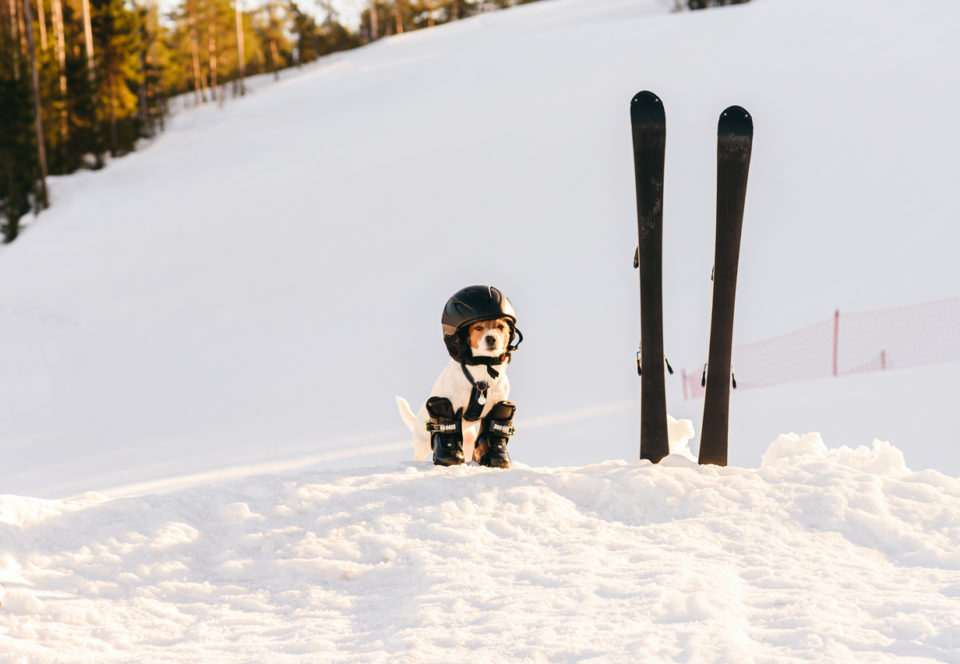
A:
x: 790, y: 446
x: 880, y: 459
x: 679, y: 433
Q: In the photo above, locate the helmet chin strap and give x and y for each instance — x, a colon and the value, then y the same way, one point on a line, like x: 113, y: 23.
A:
x: 489, y: 361
x: 513, y: 347
x: 478, y: 395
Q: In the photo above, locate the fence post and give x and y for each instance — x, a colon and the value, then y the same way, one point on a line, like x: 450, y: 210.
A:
x: 836, y: 339
x: 683, y: 379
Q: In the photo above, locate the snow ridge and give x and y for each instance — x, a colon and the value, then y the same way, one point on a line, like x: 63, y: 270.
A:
x: 842, y: 554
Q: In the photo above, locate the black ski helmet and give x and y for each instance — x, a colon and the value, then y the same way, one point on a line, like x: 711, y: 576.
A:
x: 469, y: 305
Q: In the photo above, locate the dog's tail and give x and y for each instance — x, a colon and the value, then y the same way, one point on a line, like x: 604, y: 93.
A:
x: 408, y: 417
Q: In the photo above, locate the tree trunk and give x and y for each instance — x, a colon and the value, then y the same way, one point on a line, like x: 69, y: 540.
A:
x: 374, y: 31
x: 57, y: 11
x: 111, y: 90
x: 150, y: 89
x: 92, y: 74
x: 398, y: 16
x: 15, y: 38
x: 88, y: 39
x: 156, y: 93
x: 22, y: 30
x: 143, y: 38
x: 146, y: 119
x: 430, y: 21
x: 275, y: 59
x: 212, y: 51
x: 41, y: 19
x: 241, y: 57
x: 198, y: 91
x: 37, y: 109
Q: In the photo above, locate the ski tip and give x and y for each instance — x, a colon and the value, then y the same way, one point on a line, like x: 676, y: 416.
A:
x: 735, y: 121
x: 646, y: 107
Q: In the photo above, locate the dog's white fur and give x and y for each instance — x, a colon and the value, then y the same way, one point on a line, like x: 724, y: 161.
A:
x: 487, y: 339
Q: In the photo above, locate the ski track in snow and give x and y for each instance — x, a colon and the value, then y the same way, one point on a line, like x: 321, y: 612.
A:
x: 357, y: 447
x: 837, y: 555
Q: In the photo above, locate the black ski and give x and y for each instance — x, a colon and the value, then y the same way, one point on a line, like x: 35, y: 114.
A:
x: 734, y: 143
x: 649, y: 138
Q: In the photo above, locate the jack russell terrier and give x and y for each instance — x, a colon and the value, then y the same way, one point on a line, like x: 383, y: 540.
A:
x: 467, y: 415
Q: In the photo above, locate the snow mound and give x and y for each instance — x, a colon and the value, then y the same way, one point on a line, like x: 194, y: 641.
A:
x: 836, y: 553
x: 791, y: 449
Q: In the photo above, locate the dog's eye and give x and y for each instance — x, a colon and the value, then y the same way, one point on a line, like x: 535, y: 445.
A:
x: 500, y: 327
x: 479, y: 328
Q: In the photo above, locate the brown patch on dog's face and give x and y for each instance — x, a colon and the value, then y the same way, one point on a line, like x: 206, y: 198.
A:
x: 490, y: 337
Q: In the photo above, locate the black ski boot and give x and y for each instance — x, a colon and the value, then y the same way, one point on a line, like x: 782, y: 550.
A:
x: 495, y: 431
x: 446, y: 438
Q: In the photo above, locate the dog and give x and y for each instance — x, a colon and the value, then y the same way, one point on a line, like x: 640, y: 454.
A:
x: 487, y: 339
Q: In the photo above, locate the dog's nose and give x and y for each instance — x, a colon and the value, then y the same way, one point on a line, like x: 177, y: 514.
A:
x: 491, y: 339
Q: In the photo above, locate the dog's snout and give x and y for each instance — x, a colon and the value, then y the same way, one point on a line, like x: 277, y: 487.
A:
x: 491, y: 340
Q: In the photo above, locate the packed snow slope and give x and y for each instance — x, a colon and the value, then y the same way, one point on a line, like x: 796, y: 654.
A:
x: 818, y: 555
x: 255, y: 287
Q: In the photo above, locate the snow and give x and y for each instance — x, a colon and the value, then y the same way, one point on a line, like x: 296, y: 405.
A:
x: 839, y: 554
x: 257, y: 285
x: 202, y: 459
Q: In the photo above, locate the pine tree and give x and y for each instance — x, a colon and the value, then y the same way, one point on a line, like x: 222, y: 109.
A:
x: 60, y: 105
x: 42, y: 198
x: 273, y: 30
x: 306, y: 35
x: 153, y: 59
x: 119, y: 73
x: 18, y: 175
x: 92, y: 76
x: 335, y: 37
